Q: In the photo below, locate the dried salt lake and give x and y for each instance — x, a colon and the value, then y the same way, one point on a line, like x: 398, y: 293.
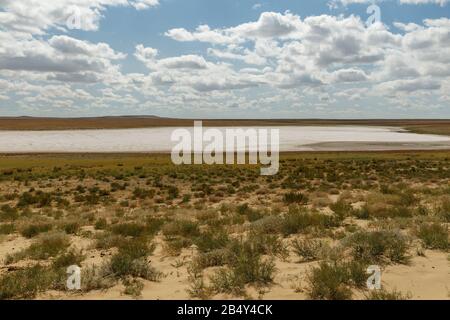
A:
x: 292, y: 138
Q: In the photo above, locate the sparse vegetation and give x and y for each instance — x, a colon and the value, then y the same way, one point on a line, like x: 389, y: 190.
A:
x: 384, y: 294
x: 434, y: 236
x: 211, y: 231
x: 293, y: 197
x: 33, y: 230
x: 334, y: 280
x: 307, y: 250
x: 245, y: 265
x: 45, y: 247
x: 378, y: 247
x: 25, y: 283
x: 133, y: 287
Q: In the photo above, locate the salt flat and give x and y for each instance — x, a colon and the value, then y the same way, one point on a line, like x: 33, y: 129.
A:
x: 292, y: 138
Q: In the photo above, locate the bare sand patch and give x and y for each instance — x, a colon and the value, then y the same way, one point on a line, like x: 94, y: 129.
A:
x: 425, y: 278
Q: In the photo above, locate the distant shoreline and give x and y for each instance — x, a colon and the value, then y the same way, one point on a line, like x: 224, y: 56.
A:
x: 432, y: 126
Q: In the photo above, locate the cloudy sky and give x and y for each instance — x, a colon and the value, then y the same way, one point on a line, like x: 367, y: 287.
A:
x: 226, y: 59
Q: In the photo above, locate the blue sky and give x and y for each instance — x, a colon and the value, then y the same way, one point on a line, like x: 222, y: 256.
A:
x: 225, y: 59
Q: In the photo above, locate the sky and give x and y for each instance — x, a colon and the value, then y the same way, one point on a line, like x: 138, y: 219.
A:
x: 225, y: 59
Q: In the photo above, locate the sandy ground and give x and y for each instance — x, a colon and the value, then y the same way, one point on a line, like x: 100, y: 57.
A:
x: 423, y: 279
x: 12, y: 244
x: 426, y: 278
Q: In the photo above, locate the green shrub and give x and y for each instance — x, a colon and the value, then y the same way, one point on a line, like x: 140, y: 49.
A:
x: 383, y: 206
x: 174, y: 244
x: 136, y: 248
x: 333, y: 281
x: 25, y: 283
x: 7, y: 213
x: 307, y: 250
x: 123, y: 265
x: 211, y: 240
x: 133, y: 287
x: 139, y: 193
x: 378, y: 246
x: 214, y: 258
x: 70, y: 258
x: 328, y: 282
x: 267, y: 244
x: 268, y: 225
x: 131, y: 260
x: 101, y: 224
x: 186, y: 198
x: 129, y: 229
x: 387, y: 295
x: 341, y: 208
x: 295, y: 197
x: 443, y: 211
x: 300, y: 222
x: 185, y: 228
x: 251, y: 214
x: 7, y: 228
x: 26, y: 199
x: 40, y: 198
x: 197, y: 287
x: 107, y: 241
x: 245, y: 266
x: 173, y: 192
x: 46, y: 246
x: 71, y: 227
x: 154, y: 225
x: 33, y: 230
x: 434, y: 236
x: 96, y: 278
